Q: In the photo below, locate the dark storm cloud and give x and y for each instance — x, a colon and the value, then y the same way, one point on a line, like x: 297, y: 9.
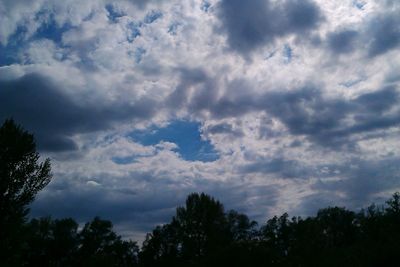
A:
x: 39, y: 105
x: 251, y: 24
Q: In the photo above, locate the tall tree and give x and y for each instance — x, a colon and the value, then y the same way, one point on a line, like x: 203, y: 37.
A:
x: 101, y: 246
x: 203, y: 226
x: 22, y: 176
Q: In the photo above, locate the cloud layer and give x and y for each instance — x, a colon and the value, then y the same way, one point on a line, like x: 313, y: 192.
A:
x: 270, y: 106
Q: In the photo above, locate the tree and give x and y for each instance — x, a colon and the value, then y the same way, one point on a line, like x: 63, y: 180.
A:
x: 101, y: 246
x: 161, y: 247
x: 203, y: 226
x: 22, y: 176
x: 200, y: 234
x: 51, y: 242
x: 394, y: 205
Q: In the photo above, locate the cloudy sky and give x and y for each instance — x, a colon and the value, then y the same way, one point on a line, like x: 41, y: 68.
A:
x: 270, y: 106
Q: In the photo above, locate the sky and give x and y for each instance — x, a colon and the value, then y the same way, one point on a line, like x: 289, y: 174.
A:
x: 269, y: 106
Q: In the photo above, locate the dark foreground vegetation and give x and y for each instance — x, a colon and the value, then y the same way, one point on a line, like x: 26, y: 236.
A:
x: 201, y: 233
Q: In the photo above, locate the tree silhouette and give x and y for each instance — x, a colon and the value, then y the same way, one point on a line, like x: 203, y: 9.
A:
x: 101, y: 246
x: 22, y: 176
x: 202, y: 226
x: 200, y: 234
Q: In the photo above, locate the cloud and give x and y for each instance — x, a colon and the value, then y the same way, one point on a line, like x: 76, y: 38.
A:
x: 377, y: 35
x: 41, y: 106
x: 342, y: 42
x: 224, y: 128
x: 384, y: 34
x: 325, y: 121
x: 279, y: 166
x: 250, y: 25
x: 299, y: 99
x: 142, y: 200
x: 360, y: 183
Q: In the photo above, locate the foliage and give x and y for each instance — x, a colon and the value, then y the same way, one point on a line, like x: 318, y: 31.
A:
x: 22, y: 176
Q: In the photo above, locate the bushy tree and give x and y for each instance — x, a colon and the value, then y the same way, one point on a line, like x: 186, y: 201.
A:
x: 101, y: 246
x: 200, y: 234
x: 22, y: 176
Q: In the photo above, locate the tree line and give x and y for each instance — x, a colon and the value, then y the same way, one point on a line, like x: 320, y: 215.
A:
x: 201, y: 233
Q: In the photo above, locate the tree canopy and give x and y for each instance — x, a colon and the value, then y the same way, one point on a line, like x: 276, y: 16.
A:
x: 22, y: 176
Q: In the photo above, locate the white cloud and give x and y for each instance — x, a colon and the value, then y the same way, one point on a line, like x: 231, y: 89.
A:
x: 125, y: 71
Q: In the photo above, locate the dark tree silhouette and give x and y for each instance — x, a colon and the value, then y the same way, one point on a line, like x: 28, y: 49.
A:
x: 22, y: 176
x: 101, y: 246
x: 51, y: 243
x: 200, y: 234
x: 202, y: 226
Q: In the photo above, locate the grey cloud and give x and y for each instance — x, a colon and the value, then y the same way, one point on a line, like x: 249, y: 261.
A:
x: 220, y: 128
x: 329, y: 122
x: 153, y: 202
x: 307, y: 112
x: 342, y: 42
x: 251, y: 24
x: 41, y: 107
x: 233, y: 106
x: 224, y: 128
x: 362, y: 180
x: 188, y: 78
x: 238, y: 100
x: 284, y: 168
x: 377, y: 36
x: 309, y: 205
x: 357, y: 184
x: 143, y: 3
x: 385, y: 34
x: 357, y: 181
x: 378, y: 101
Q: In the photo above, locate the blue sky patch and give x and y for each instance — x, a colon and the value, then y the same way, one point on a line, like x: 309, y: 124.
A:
x: 205, y: 6
x: 135, y: 31
x: 139, y: 52
x: 8, y: 55
x: 185, y: 134
x: 287, y: 54
x: 173, y: 28
x: 152, y: 16
x: 351, y: 83
x: 50, y: 30
x: 359, y: 4
x: 113, y: 14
